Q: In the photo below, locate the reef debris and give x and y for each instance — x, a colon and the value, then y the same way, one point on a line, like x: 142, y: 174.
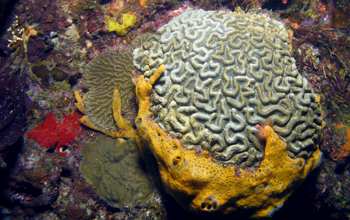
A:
x: 343, y: 152
x: 46, y: 75
x: 32, y: 189
x: 327, y: 65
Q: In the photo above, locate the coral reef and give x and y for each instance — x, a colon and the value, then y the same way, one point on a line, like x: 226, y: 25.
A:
x: 116, y: 169
x: 322, y: 55
x: 61, y: 37
x: 225, y: 73
x: 191, y: 175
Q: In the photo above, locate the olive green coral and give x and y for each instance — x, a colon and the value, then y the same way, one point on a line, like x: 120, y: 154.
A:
x: 102, y: 76
x: 224, y: 74
x: 115, y: 168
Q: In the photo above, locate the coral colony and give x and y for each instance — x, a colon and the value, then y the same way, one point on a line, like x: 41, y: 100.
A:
x: 209, y: 65
x: 149, y: 109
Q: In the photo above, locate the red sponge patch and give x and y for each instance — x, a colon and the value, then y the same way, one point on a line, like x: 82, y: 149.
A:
x: 51, y: 132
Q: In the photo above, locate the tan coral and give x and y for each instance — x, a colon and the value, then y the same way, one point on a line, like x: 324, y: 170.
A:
x: 107, y: 159
x: 124, y: 127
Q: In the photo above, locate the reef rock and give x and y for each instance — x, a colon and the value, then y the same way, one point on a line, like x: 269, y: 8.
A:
x: 12, y: 95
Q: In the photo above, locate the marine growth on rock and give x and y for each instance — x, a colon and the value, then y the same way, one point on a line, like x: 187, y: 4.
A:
x: 12, y: 95
x: 224, y: 74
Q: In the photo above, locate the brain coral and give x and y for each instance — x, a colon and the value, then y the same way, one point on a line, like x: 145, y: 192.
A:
x: 115, y: 168
x: 224, y: 74
x: 102, y: 76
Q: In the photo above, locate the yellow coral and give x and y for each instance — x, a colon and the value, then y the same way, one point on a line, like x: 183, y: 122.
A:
x: 128, y: 21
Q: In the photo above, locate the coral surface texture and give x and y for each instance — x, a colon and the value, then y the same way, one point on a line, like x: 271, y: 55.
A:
x: 102, y: 76
x: 224, y: 74
x: 115, y: 168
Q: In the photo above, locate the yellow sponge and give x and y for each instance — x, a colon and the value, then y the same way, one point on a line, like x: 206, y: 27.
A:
x: 128, y: 21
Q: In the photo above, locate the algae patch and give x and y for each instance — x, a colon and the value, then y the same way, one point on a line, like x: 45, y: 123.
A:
x: 114, y: 166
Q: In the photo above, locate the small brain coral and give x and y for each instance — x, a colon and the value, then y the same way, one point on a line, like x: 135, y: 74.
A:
x: 224, y: 74
x: 115, y: 168
x: 102, y: 76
